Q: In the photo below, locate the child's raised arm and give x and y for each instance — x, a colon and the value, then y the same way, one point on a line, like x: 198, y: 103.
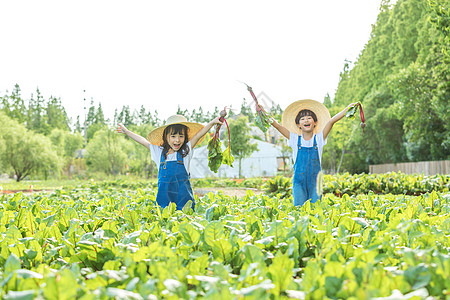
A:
x: 141, y: 140
x: 334, y: 119
x: 203, y: 131
x: 283, y: 130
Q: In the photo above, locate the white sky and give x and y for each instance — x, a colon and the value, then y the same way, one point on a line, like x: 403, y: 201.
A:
x: 162, y: 54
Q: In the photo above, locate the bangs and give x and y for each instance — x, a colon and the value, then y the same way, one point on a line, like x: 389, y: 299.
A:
x: 304, y: 113
x: 176, y: 129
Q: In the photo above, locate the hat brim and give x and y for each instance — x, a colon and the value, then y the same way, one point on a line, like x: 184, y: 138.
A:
x: 155, y: 137
x: 291, y: 112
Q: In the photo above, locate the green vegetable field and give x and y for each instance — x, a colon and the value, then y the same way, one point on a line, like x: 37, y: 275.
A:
x: 106, y: 241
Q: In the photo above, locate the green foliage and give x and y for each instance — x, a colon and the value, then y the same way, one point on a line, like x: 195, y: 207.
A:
x: 65, y: 142
x: 391, y: 183
x: 27, y: 152
x: 39, y: 115
x: 279, y: 186
x: 401, y: 77
x: 105, y: 241
x: 228, y: 159
x: 215, y: 155
x: 139, y: 158
x: 262, y: 119
x: 107, y: 152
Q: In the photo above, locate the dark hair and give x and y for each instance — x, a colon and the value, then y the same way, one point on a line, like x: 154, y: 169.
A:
x: 304, y: 113
x: 176, y: 129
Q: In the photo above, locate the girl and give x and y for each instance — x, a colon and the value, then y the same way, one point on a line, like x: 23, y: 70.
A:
x: 171, y: 147
x: 306, y: 124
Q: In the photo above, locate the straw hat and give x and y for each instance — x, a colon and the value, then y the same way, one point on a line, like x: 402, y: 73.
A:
x: 155, y: 137
x: 291, y: 112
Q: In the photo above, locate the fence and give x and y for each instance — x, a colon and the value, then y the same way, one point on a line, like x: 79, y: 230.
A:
x: 424, y: 167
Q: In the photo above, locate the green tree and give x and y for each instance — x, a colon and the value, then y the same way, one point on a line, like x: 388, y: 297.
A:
x: 27, y: 152
x: 107, y: 152
x: 241, y: 146
x: 77, y: 125
x: 56, y: 116
x: 66, y: 143
x: 401, y: 76
x: 35, y: 115
x: 139, y: 158
x: 125, y: 116
x: 99, y: 115
x: 247, y: 111
x: 14, y: 106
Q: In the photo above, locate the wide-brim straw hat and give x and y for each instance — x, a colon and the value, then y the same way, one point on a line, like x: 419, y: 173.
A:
x: 291, y: 112
x: 155, y: 137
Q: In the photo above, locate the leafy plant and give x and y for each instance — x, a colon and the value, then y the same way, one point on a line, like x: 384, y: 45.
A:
x: 101, y: 241
x: 262, y: 118
x: 215, y: 155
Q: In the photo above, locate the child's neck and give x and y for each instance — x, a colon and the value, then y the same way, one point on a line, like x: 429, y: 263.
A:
x: 307, y: 135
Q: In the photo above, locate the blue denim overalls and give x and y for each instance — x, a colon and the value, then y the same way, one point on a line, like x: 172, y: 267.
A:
x: 173, y: 183
x: 306, y: 169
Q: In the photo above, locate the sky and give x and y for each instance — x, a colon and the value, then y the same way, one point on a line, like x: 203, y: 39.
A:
x: 188, y: 54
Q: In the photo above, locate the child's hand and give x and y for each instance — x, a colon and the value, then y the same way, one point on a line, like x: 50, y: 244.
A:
x: 121, y: 128
x: 217, y: 121
x: 352, y: 104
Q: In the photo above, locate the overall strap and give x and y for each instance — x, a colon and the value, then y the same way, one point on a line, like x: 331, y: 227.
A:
x: 162, y: 162
x: 315, y: 142
x: 299, y: 142
x: 179, y: 158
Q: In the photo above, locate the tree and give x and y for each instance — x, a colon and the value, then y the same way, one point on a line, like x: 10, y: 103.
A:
x: 401, y: 76
x: 285, y: 152
x: 125, y: 116
x: 246, y: 110
x: 27, y: 152
x: 14, y: 106
x: 107, y: 152
x: 100, y: 116
x: 424, y: 123
x: 66, y: 143
x: 139, y: 158
x: 241, y: 146
x: 77, y: 125
x: 56, y: 116
x: 36, y: 109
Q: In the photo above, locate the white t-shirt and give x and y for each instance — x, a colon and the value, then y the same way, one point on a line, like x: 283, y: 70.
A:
x: 293, y: 141
x: 156, y: 155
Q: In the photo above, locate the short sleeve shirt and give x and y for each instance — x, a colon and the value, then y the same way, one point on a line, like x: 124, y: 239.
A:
x: 293, y: 141
x: 157, y: 150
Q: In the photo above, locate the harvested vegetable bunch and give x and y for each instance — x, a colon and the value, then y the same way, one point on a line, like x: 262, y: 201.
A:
x: 351, y: 113
x: 262, y: 118
x: 215, y: 155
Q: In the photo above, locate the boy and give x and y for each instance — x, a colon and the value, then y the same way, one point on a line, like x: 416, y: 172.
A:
x: 306, y: 124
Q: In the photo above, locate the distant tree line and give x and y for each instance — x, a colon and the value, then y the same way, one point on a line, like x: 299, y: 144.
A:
x: 402, y: 78
x: 39, y: 140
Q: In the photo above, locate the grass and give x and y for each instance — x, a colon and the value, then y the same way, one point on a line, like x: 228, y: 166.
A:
x: 12, y: 185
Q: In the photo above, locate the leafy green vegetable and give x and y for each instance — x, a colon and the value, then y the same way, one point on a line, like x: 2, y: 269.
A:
x: 262, y: 119
x: 228, y: 159
x: 351, y: 111
x: 365, y: 246
x: 215, y: 156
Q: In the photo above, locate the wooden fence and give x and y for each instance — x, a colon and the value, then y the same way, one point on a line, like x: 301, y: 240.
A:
x: 420, y: 167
